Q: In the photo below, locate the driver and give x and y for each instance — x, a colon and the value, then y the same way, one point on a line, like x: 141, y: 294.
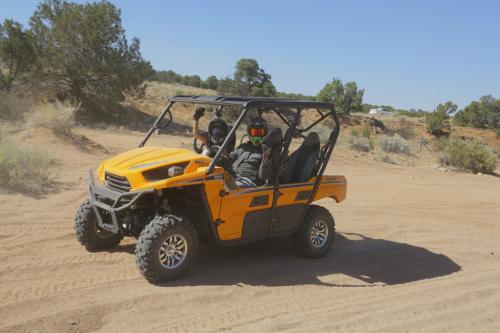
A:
x: 217, y: 132
x: 248, y: 156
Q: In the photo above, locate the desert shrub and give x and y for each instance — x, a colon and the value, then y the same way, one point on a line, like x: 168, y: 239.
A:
x: 365, y: 131
x: 377, y: 124
x: 361, y: 144
x: 440, y: 144
x: 355, y: 133
x: 437, y: 122
x: 384, y: 157
x: 58, y: 117
x: 484, y: 113
x: 394, y: 144
x: 25, y: 170
x: 497, y: 132
x: 470, y: 155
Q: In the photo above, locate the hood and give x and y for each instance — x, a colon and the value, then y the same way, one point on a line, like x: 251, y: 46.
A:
x: 145, y: 158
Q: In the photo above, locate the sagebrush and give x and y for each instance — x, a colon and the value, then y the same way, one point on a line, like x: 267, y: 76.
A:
x: 394, y: 144
x: 468, y: 155
x: 25, y: 170
x: 361, y: 144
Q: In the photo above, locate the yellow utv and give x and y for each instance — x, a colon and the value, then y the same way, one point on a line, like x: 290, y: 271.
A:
x: 171, y: 198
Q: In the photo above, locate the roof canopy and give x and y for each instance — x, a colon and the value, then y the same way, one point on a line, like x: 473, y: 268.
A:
x: 253, y: 102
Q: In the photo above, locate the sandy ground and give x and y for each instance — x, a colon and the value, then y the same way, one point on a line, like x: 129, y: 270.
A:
x: 417, y: 250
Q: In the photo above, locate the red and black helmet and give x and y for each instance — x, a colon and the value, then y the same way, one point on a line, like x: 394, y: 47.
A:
x: 257, y: 128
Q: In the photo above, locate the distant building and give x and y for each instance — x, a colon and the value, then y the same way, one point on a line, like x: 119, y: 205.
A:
x: 381, y: 111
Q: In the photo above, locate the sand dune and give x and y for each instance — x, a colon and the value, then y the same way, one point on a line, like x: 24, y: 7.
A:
x: 417, y: 250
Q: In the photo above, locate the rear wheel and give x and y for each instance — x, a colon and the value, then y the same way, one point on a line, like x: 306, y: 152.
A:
x: 316, y: 234
x: 166, y: 249
x: 88, y: 232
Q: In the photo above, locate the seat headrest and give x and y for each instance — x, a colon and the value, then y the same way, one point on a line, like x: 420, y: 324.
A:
x: 312, y: 139
x: 274, y: 138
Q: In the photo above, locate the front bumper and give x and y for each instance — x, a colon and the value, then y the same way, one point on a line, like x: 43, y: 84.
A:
x: 112, y: 202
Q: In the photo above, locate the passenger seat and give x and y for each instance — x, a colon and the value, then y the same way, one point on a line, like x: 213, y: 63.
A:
x: 301, y: 163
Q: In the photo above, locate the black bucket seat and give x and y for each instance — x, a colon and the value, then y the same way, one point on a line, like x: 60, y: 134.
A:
x: 302, y: 162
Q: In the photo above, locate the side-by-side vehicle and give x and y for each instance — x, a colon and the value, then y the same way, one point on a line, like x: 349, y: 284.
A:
x: 171, y: 198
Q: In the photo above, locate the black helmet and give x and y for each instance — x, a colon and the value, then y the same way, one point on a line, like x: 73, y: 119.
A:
x: 257, y: 130
x: 217, y: 131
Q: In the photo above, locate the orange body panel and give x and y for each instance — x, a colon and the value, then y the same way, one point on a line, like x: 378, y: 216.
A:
x: 237, y: 203
x: 229, y: 209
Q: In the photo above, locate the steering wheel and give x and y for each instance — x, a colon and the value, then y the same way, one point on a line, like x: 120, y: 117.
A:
x: 212, y: 151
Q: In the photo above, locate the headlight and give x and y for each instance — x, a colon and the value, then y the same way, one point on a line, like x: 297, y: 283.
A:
x: 175, y: 170
x: 164, y: 172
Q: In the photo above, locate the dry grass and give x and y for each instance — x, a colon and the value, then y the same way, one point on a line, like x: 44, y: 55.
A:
x: 25, y: 170
x: 404, y: 128
x: 58, y: 117
x: 384, y: 157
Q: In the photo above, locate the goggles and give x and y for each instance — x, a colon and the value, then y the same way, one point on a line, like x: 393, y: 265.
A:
x: 257, y: 132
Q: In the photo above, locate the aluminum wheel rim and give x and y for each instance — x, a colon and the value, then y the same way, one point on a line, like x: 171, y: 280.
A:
x: 173, y: 251
x: 319, y: 233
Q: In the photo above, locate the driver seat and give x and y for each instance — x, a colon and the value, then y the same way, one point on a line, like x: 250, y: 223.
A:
x: 272, y: 146
x: 301, y: 163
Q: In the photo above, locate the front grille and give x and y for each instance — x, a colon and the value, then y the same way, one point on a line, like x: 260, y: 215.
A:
x: 117, y: 183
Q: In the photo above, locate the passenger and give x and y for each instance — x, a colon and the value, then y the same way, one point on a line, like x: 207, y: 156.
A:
x: 248, y: 156
x: 201, y: 136
x: 217, y: 132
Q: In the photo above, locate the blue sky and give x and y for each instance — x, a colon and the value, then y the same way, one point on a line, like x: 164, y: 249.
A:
x: 410, y: 54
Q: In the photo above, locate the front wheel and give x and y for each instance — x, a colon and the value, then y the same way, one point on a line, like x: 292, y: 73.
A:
x: 166, y: 249
x: 316, y: 234
x: 88, y: 232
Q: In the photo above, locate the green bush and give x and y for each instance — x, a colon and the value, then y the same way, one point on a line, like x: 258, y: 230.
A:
x: 394, y: 144
x: 440, y: 144
x: 484, y: 113
x: 83, y: 55
x: 437, y: 122
x: 472, y: 156
x: 497, y: 131
x: 25, y: 170
x: 361, y: 144
x: 366, y: 131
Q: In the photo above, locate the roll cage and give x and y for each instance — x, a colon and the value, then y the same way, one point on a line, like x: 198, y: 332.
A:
x: 276, y: 105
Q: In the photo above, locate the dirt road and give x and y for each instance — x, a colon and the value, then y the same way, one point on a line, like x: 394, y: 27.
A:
x: 417, y: 250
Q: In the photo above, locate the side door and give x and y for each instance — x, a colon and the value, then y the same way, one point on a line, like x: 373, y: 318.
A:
x: 245, y: 213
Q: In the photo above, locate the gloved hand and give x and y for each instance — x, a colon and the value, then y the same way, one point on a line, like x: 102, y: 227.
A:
x: 198, y: 113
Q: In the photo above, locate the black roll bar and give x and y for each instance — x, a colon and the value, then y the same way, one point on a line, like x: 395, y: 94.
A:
x: 245, y: 105
x: 227, y: 139
x: 157, y: 123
